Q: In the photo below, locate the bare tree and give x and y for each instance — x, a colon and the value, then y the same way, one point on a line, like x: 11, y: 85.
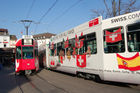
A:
x: 118, y: 7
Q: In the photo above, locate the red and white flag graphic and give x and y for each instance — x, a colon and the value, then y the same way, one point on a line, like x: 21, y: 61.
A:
x: 52, y: 45
x: 81, y: 61
x: 112, y: 37
x: 76, y: 41
x: 52, y: 62
x: 93, y: 22
x: 67, y: 43
x: 81, y: 43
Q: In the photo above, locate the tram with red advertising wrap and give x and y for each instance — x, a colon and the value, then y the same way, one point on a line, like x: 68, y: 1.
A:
x: 106, y: 49
x: 26, y: 56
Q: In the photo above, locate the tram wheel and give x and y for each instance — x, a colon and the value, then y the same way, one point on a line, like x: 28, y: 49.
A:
x: 98, y: 79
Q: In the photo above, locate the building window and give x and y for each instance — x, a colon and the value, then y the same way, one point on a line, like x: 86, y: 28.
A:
x: 4, y: 45
x: 44, y: 37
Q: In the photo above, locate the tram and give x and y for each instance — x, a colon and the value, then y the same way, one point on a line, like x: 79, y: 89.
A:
x: 26, y: 56
x: 106, y: 49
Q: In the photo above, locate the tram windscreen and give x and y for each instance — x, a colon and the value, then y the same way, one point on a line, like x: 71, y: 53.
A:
x: 133, y: 38
x: 27, y: 52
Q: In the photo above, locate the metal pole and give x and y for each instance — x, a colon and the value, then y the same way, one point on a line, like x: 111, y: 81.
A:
x: 25, y: 25
x: 26, y: 30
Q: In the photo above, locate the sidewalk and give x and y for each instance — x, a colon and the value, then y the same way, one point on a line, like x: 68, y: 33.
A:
x: 8, y: 81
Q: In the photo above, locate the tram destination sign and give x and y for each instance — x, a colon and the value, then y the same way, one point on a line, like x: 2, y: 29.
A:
x: 27, y: 41
x: 27, y: 36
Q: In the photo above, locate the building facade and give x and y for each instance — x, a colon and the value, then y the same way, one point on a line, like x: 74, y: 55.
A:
x: 13, y: 40
x: 6, y: 40
x: 42, y: 40
x: 7, y: 46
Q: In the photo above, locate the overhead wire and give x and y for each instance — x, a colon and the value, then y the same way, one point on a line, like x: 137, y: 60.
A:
x: 48, y: 11
x: 43, y: 16
x: 28, y: 13
x: 67, y: 10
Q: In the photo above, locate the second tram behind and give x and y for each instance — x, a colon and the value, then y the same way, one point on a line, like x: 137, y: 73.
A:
x: 102, y: 49
x: 26, y: 55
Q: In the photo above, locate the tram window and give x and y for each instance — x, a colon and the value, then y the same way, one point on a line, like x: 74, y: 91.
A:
x: 114, y: 40
x: 27, y: 55
x: 88, y: 44
x: 60, y: 49
x: 133, y: 37
x: 70, y: 49
x: 68, y: 52
x: 18, y: 52
x: 91, y: 45
x: 27, y: 52
x: 81, y: 44
x: 74, y: 48
x: 53, y: 50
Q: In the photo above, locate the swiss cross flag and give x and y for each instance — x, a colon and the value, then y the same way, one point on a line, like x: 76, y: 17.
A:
x: 61, y: 59
x: 81, y: 61
x: 94, y: 22
x: 52, y: 45
x: 74, y: 52
x: 67, y: 43
x: 76, y: 41
x: 112, y: 37
x: 52, y: 62
x: 81, y: 43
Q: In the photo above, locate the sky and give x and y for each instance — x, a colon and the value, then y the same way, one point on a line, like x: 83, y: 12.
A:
x: 53, y: 16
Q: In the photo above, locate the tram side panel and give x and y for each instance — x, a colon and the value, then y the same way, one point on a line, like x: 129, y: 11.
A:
x: 120, y: 63
x: 113, y: 60
x: 94, y: 61
x: 82, y: 61
x: 47, y: 65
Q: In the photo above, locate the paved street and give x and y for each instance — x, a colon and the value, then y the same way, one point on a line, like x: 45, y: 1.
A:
x: 54, y: 82
x: 7, y: 81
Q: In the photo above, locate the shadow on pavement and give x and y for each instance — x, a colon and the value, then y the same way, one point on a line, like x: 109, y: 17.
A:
x: 9, y: 83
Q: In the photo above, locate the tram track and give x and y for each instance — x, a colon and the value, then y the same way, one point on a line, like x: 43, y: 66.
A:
x: 19, y: 82
x: 51, y: 83
x: 33, y: 85
x: 36, y: 83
